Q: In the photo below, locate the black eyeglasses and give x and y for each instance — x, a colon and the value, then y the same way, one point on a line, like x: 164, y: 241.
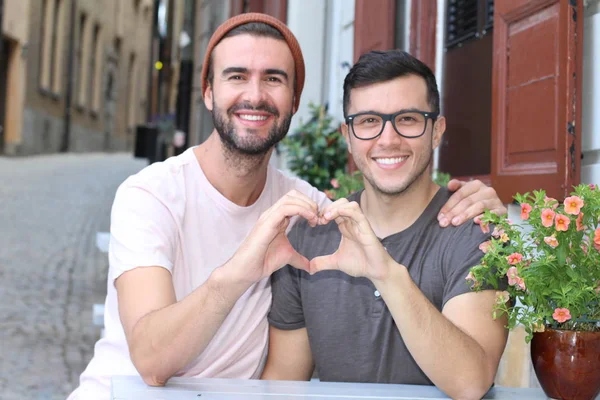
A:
x: 408, y: 124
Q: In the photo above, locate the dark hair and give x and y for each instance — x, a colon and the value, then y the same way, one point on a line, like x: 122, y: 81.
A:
x: 381, y: 66
x: 251, y: 28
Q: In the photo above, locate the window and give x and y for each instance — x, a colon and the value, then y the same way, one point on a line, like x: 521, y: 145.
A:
x: 51, y: 51
x: 82, y: 61
x: 467, y: 20
x: 58, y: 46
x: 95, y: 76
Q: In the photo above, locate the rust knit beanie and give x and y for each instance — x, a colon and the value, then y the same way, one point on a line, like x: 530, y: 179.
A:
x: 242, y: 19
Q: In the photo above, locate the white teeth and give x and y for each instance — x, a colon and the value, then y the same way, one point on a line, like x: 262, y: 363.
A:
x: 390, y: 161
x: 253, y: 117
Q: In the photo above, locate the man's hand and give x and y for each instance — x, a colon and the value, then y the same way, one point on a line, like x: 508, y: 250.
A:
x: 267, y: 248
x: 360, y: 252
x: 469, y: 201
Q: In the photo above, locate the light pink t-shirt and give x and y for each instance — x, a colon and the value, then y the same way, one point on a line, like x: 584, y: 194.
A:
x: 171, y: 216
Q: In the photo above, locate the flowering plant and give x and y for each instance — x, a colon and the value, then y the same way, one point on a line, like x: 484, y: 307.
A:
x: 551, y: 262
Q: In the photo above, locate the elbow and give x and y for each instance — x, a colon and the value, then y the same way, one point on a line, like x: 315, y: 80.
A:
x: 471, y: 389
x: 151, y: 374
x: 150, y: 368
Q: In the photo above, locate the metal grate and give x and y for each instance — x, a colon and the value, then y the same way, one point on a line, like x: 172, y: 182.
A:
x: 467, y: 19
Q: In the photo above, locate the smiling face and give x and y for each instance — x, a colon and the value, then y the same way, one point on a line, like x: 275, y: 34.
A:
x: 391, y: 163
x: 251, y: 94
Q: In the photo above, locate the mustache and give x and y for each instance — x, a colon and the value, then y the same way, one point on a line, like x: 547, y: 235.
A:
x: 262, y: 106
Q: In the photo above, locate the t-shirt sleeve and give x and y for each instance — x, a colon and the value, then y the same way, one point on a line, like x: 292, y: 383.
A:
x: 143, y: 232
x: 286, y: 310
x: 462, y: 254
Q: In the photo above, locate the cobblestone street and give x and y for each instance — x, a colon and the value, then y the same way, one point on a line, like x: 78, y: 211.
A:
x: 51, y: 272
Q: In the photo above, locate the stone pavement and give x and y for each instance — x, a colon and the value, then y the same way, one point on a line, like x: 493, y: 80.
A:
x: 51, y: 272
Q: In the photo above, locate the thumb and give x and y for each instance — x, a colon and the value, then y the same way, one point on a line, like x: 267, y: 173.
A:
x: 323, y: 263
x: 454, y: 185
x: 298, y: 261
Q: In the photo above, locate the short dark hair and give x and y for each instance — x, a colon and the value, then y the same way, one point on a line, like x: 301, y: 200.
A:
x: 381, y: 66
x: 251, y: 28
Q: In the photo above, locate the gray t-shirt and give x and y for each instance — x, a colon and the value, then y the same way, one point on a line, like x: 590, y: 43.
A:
x: 352, y: 335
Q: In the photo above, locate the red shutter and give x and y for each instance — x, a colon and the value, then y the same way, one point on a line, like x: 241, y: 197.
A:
x: 275, y: 8
x: 423, y: 20
x: 374, y: 25
x: 374, y: 29
x: 536, y: 96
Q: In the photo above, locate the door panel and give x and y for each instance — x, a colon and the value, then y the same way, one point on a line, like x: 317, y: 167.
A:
x: 374, y: 26
x: 536, y: 96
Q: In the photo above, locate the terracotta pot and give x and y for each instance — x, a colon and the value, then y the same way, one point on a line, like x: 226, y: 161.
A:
x: 567, y: 363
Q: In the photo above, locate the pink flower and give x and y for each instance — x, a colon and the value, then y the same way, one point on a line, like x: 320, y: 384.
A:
x: 561, y: 315
x: 485, y: 246
x: 578, y: 223
x: 472, y: 279
x: 497, y: 232
x: 551, y: 241
x: 513, y: 276
x: 547, y: 217
x: 485, y: 228
x: 334, y: 182
x: 525, y: 210
x: 573, y: 205
x: 514, y: 258
x: 502, y: 297
x: 551, y: 202
x: 561, y: 222
x: 521, y: 283
x: 592, y: 186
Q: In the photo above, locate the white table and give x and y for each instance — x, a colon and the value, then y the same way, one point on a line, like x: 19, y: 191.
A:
x: 133, y: 388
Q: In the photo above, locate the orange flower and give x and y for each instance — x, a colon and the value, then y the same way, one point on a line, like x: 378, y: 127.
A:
x: 561, y: 223
x: 578, y: 222
x: 551, y: 241
x: 573, y: 205
x: 597, y: 237
x: 547, y: 217
x: 485, y: 246
x: 539, y: 327
x: 514, y: 258
x: 485, y: 228
x: 504, y: 238
x: 561, y: 315
x: 502, y: 297
x: 525, y: 210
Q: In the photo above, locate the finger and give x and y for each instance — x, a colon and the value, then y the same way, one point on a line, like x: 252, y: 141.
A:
x: 296, y: 197
x: 455, y: 184
x: 464, y: 198
x: 323, y: 263
x: 276, y: 217
x: 472, y: 212
x: 292, y: 201
x: 299, y: 195
x: 348, y: 209
x: 333, y: 206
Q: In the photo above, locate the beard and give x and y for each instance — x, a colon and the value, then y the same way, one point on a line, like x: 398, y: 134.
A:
x: 421, y: 168
x: 251, y: 144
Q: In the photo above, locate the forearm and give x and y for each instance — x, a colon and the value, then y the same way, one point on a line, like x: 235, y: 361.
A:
x: 453, y: 361
x: 166, y: 340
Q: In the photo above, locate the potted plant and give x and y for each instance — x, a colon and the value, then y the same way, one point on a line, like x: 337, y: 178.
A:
x: 547, y: 272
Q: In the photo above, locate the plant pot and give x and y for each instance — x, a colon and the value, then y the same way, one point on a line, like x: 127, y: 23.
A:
x: 567, y: 363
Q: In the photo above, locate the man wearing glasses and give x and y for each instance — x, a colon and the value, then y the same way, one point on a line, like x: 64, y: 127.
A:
x: 391, y: 304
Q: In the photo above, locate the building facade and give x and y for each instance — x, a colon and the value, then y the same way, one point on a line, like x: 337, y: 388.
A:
x: 85, y: 67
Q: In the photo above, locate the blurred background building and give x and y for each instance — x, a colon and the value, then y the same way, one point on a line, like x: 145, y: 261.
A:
x: 517, y: 79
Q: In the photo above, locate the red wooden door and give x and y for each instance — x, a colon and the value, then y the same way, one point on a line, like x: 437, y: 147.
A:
x: 275, y: 8
x: 374, y: 25
x: 536, y: 96
x: 374, y: 29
